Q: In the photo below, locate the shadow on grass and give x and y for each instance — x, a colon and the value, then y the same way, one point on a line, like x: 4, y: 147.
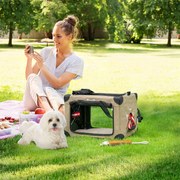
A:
x: 106, y: 46
x: 85, y: 158
x: 67, y: 164
x: 20, y: 46
x: 163, y: 169
x: 97, y: 45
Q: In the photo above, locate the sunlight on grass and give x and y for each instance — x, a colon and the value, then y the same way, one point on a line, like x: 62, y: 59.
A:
x: 118, y: 71
x: 85, y: 159
x: 94, y: 167
x: 42, y: 170
x: 140, y: 72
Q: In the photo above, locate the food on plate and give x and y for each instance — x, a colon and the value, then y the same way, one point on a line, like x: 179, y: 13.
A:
x: 4, y: 125
x: 9, y: 119
x: 26, y: 112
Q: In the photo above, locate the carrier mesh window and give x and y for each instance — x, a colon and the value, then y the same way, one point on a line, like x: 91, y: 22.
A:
x: 100, y: 119
x: 91, y: 119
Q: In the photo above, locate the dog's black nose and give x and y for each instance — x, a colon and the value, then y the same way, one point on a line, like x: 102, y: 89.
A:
x: 54, y: 125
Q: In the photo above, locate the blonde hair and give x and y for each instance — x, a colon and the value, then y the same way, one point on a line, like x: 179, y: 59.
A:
x: 69, y: 25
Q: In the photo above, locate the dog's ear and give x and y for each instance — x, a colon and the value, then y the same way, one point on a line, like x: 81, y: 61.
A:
x: 62, y: 119
x: 43, y: 122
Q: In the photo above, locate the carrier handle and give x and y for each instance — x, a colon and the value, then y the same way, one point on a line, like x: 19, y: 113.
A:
x: 102, y: 104
x: 83, y: 92
x: 90, y: 92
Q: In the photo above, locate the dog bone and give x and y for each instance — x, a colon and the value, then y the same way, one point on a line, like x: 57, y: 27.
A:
x: 120, y: 142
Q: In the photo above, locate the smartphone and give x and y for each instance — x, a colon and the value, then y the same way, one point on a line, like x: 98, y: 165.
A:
x: 31, y: 50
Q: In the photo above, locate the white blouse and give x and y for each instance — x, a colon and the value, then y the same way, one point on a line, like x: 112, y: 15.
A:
x: 72, y: 64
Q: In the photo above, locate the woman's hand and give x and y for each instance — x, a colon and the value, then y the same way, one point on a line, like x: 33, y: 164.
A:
x: 26, y: 52
x: 38, y: 58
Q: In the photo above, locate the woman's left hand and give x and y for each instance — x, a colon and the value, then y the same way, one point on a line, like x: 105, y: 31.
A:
x: 38, y: 59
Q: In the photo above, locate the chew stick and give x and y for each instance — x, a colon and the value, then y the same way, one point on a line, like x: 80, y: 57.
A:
x: 120, y: 142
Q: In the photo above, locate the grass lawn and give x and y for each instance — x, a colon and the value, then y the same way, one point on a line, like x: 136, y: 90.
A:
x: 151, y: 70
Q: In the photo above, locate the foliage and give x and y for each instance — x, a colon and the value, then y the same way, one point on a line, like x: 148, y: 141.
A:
x: 15, y: 14
x: 123, y: 20
x: 115, y: 20
x: 149, y: 17
x: 47, y: 13
x: 92, y: 15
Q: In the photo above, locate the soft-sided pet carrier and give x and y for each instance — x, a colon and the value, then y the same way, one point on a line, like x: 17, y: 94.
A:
x: 101, y: 114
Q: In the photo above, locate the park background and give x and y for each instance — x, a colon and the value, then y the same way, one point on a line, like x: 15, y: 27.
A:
x: 131, y: 56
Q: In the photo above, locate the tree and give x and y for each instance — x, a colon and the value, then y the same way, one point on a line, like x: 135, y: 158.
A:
x: 152, y: 17
x: 47, y: 12
x: 115, y: 22
x: 15, y: 14
x: 92, y: 15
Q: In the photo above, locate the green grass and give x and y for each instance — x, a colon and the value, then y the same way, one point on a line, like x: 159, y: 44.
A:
x: 152, y: 71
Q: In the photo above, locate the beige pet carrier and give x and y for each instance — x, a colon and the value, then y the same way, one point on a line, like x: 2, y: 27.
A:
x: 120, y: 109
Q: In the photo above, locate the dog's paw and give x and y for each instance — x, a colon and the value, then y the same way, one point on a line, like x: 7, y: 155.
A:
x: 58, y: 146
x: 22, y: 142
x: 63, y: 145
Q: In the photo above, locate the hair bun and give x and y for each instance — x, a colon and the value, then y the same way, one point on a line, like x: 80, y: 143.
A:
x: 71, y: 20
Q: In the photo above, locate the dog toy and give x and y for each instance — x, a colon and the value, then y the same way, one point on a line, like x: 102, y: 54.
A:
x: 120, y: 142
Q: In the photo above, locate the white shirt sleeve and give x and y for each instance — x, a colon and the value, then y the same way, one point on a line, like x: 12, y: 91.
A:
x: 76, y: 66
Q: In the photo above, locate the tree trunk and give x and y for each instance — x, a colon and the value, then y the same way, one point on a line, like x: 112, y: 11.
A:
x: 169, y: 38
x: 48, y: 34
x: 87, y: 33
x: 90, y: 32
x: 169, y: 35
x: 10, y: 34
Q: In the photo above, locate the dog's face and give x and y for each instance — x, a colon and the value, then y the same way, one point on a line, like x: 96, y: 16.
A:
x: 53, y: 121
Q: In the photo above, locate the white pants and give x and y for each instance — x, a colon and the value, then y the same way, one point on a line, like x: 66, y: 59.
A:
x: 34, y: 88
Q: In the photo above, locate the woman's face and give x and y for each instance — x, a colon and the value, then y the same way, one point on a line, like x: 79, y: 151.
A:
x: 61, y: 40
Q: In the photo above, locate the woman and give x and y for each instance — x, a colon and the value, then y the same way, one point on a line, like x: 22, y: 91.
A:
x: 54, y: 68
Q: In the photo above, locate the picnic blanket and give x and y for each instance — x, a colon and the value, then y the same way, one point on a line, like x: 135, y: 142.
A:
x: 13, y: 132
x: 11, y: 108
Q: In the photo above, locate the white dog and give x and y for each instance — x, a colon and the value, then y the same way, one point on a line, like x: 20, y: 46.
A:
x: 48, y: 134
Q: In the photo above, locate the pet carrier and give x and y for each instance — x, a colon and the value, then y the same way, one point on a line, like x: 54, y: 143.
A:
x: 101, y: 114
